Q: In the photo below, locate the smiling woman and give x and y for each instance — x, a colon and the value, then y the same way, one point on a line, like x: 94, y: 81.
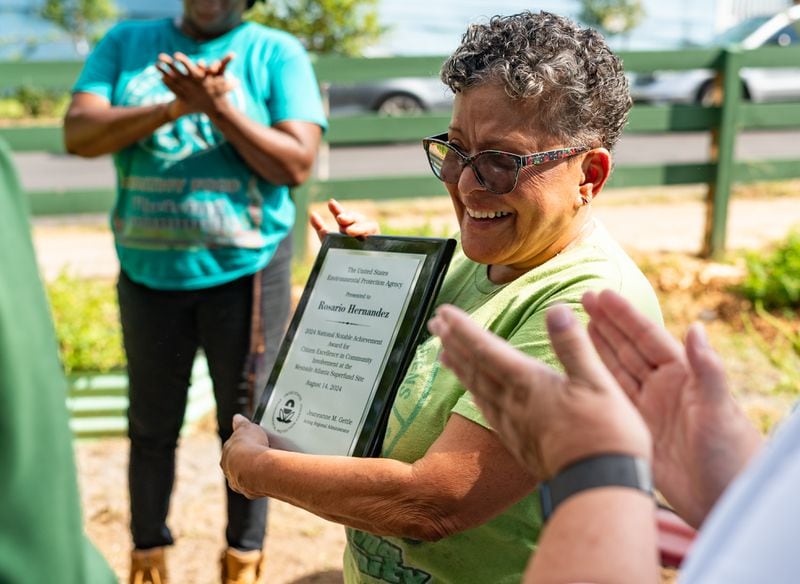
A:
x: 539, y: 104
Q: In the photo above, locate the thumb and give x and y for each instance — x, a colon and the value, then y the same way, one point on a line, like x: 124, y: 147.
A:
x: 238, y: 421
x: 574, y: 349
x: 705, y: 363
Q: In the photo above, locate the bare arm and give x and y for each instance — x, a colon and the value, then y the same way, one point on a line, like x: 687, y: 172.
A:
x: 466, y: 478
x: 282, y: 154
x: 92, y: 127
x: 599, y: 535
x: 550, y: 420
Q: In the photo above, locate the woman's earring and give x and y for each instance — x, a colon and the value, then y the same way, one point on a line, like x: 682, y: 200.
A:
x: 585, y: 200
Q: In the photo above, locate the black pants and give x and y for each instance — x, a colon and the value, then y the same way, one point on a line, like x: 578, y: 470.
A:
x: 162, y: 331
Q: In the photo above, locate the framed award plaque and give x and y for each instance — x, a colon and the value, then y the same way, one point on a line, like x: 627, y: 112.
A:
x: 350, y: 342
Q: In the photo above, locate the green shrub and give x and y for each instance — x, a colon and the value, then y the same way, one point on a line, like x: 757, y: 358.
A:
x: 11, y: 109
x: 773, y: 280
x: 37, y: 102
x: 86, y: 318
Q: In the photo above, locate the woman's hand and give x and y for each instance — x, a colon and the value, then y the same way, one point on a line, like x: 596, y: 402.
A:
x: 349, y: 222
x: 197, y: 87
x: 702, y: 437
x: 239, y: 453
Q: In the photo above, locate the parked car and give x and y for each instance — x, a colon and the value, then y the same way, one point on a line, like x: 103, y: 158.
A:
x: 695, y: 86
x: 391, y: 97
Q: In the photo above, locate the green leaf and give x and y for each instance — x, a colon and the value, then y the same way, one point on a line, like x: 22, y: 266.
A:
x: 344, y: 27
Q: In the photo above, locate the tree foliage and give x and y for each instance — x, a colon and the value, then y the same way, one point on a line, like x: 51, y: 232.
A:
x: 81, y: 19
x: 612, y: 17
x: 344, y: 27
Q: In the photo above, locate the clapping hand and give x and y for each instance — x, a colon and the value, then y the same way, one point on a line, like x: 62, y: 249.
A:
x: 545, y: 418
x: 702, y: 439
x: 197, y: 87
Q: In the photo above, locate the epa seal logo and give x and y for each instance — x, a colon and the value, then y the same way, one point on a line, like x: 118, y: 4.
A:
x: 287, y: 412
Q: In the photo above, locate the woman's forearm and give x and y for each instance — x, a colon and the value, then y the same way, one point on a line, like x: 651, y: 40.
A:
x: 466, y: 478
x: 599, y: 535
x: 94, y: 131
x: 280, y: 157
x: 378, y: 495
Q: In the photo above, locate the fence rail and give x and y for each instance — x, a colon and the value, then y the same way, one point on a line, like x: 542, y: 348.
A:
x: 719, y: 171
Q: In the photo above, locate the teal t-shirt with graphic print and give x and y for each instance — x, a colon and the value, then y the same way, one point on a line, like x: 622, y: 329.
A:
x: 497, y: 551
x: 190, y: 213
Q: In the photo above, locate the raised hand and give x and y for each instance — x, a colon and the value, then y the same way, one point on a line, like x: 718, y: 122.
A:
x: 702, y: 439
x: 545, y: 418
x: 348, y: 222
x: 197, y: 87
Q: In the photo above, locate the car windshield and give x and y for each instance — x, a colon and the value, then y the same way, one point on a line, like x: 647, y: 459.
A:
x: 738, y: 32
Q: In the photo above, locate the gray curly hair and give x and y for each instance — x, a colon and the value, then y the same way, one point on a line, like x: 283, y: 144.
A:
x: 577, y: 84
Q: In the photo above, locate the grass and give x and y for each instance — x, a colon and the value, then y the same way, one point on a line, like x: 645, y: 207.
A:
x: 756, y: 346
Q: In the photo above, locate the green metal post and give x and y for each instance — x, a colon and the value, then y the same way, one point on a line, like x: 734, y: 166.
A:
x: 302, y: 197
x: 723, y: 145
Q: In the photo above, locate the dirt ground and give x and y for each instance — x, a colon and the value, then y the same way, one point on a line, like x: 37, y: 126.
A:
x: 302, y: 548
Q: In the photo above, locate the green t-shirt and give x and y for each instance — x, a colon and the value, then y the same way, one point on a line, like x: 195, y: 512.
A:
x: 497, y: 551
x: 41, y: 535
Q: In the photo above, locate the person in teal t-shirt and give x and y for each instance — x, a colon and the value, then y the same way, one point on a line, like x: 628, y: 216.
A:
x: 41, y: 534
x: 210, y: 121
x: 539, y: 104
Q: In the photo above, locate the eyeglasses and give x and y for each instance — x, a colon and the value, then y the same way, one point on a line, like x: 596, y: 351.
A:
x: 496, y: 171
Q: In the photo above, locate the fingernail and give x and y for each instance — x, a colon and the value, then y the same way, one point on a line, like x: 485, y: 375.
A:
x: 560, y: 318
x: 435, y: 326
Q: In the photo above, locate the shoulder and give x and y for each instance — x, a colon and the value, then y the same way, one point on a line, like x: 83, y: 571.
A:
x: 128, y: 28
x: 277, y: 40
x: 135, y: 33
x: 599, y: 263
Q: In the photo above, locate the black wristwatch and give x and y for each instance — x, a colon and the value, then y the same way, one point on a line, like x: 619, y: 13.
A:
x: 604, y: 470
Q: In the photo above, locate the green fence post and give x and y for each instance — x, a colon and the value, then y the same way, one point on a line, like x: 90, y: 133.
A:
x: 723, y: 142
x: 302, y: 197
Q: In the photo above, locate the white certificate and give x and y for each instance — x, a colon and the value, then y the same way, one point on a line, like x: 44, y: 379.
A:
x: 321, y: 398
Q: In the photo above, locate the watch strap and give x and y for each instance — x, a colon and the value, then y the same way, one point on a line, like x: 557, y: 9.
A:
x: 605, y: 470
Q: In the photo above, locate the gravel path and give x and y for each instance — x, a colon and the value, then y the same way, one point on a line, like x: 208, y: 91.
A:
x: 84, y: 246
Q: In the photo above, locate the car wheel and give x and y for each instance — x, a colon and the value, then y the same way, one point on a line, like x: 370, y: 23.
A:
x: 705, y: 96
x: 399, y: 104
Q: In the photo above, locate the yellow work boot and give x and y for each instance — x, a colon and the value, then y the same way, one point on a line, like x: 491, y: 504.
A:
x: 240, y: 567
x: 148, y: 566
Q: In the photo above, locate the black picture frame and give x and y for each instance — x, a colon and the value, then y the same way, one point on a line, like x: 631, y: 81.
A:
x: 437, y: 254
